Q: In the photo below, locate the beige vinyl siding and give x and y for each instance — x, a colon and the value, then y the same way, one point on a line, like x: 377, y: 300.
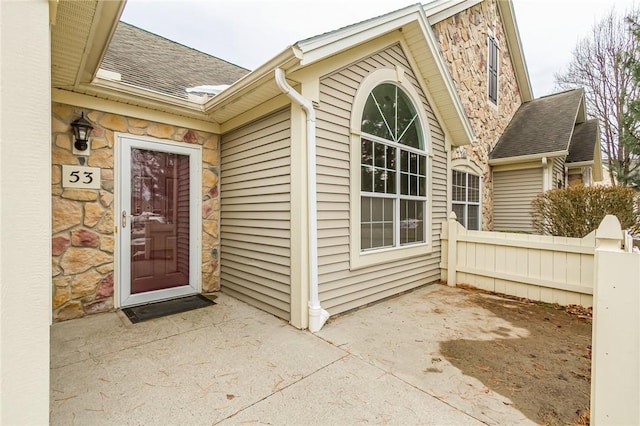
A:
x: 513, y: 192
x: 255, y: 214
x: 558, y: 171
x: 340, y: 288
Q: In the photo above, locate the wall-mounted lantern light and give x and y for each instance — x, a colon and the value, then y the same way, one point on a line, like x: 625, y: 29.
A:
x: 81, y: 131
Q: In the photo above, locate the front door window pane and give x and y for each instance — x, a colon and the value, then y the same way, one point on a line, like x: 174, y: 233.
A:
x: 160, y: 220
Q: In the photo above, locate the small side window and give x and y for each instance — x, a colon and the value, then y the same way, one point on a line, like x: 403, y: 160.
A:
x: 492, y: 67
x: 466, y: 199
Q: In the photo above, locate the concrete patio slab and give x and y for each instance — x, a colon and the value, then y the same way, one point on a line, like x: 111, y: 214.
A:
x: 199, y: 375
x: 351, y: 391
x: 231, y: 363
x: 403, y: 335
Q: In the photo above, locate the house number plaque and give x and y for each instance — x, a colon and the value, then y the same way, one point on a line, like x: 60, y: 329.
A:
x: 81, y: 177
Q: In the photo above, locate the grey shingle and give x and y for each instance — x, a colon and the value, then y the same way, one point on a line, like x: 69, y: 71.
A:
x: 583, y: 142
x: 539, y: 126
x: 153, y: 62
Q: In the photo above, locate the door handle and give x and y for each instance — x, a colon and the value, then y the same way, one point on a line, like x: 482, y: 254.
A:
x: 124, y: 219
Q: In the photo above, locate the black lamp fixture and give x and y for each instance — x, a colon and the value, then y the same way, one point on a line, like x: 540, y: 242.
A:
x: 81, y: 130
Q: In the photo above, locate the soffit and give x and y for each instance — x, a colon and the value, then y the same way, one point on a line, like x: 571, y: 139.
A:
x: 79, y: 37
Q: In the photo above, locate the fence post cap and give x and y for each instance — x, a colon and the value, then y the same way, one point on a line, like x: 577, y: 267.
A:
x: 452, y: 216
x: 609, y: 233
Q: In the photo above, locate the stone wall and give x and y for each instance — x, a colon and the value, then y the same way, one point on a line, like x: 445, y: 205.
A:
x: 83, y: 237
x: 463, y: 43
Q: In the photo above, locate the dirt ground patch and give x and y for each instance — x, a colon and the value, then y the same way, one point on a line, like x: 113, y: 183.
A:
x: 546, y: 375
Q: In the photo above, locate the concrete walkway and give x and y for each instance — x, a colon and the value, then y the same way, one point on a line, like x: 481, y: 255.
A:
x: 231, y: 364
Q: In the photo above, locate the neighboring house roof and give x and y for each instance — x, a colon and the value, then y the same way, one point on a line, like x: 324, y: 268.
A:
x: 146, y: 60
x: 541, y: 126
x: 583, y: 142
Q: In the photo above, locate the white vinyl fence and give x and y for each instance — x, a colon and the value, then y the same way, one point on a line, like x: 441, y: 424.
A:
x: 592, y: 271
x: 537, y: 267
x: 615, y: 355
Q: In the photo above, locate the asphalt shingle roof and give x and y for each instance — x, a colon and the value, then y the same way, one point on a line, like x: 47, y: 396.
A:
x: 540, y: 126
x: 152, y: 62
x: 583, y: 142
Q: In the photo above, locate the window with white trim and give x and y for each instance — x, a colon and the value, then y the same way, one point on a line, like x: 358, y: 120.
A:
x: 466, y: 199
x: 492, y: 69
x: 393, y: 167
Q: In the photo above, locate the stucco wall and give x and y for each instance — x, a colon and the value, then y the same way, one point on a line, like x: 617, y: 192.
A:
x: 463, y: 43
x: 24, y: 212
x: 83, y: 237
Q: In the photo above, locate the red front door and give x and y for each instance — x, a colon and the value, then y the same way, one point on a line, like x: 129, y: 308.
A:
x: 160, y: 220
x: 159, y: 190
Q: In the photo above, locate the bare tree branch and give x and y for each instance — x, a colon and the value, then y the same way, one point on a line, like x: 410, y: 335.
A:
x: 597, y: 66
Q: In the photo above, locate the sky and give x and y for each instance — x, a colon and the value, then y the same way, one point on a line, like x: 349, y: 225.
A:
x: 250, y: 32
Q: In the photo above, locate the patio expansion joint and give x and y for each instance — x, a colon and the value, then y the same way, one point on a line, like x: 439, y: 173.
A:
x: 323, y: 367
x: 349, y: 353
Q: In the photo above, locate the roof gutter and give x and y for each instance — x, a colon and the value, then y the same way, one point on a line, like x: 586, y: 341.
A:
x: 288, y: 56
x: 579, y: 164
x: 527, y: 158
x: 317, y: 315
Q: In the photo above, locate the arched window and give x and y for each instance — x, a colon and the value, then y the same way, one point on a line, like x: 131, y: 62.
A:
x: 393, y: 171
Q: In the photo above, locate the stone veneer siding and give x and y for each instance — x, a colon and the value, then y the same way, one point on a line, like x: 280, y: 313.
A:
x: 463, y: 44
x: 83, y: 238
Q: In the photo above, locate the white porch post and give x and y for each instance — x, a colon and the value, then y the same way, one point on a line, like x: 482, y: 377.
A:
x: 25, y: 212
x: 615, y: 359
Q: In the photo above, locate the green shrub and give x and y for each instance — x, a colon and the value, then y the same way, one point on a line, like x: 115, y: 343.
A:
x: 574, y: 212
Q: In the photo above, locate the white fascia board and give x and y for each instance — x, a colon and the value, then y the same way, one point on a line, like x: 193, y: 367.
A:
x: 581, y: 117
x: 432, y: 43
x: 440, y: 10
x: 578, y: 164
x: 320, y: 47
x: 105, y: 22
x: 516, y: 51
x: 148, y: 112
x: 285, y: 60
x: 527, y: 158
x: 128, y: 92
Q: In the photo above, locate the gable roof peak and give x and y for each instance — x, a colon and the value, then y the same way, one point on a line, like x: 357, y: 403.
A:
x: 541, y: 127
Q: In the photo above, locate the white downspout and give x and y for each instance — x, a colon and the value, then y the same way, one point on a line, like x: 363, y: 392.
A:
x: 317, y: 315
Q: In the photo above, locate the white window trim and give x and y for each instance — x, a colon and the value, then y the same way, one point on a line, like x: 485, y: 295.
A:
x: 359, y: 259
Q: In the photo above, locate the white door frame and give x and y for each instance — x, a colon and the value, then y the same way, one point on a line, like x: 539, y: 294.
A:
x: 122, y: 189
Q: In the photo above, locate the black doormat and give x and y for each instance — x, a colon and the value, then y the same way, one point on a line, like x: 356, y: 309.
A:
x: 141, y: 313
